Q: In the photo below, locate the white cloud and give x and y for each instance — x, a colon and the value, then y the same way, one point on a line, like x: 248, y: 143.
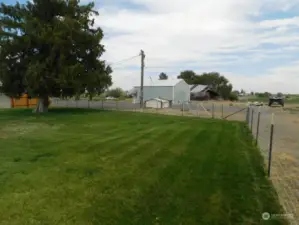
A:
x: 179, y: 33
x: 280, y: 22
x: 280, y: 79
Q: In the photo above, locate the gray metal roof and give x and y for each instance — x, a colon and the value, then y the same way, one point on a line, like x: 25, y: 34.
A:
x: 199, y: 88
x: 160, y: 83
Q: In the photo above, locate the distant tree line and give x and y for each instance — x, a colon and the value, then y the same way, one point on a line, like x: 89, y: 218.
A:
x: 266, y: 94
x: 217, y: 82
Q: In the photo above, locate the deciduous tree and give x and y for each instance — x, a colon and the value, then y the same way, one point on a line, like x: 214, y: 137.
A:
x: 116, y: 93
x: 188, y: 75
x: 213, y: 79
x: 51, y: 48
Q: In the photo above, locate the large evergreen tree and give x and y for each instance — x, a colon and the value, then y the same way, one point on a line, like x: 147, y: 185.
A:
x: 51, y: 48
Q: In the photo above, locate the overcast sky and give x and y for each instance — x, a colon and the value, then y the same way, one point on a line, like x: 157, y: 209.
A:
x: 254, y: 43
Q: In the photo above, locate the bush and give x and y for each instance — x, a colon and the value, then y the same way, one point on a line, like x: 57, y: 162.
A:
x: 233, y: 97
x: 116, y: 93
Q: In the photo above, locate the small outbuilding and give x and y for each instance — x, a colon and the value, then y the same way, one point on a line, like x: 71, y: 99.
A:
x: 5, y: 102
x: 157, y: 103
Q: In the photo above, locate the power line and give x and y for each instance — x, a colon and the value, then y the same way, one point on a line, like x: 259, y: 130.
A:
x: 124, y: 60
x: 165, y: 67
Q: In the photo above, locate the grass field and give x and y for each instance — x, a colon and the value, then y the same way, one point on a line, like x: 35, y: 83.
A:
x: 78, y: 167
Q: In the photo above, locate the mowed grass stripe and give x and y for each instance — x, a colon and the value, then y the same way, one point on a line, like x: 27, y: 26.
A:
x: 154, y: 142
x: 158, y: 170
x: 123, y: 184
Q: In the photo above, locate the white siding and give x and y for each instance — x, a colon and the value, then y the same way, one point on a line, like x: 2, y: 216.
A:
x: 181, y: 92
x: 4, y: 101
x: 154, y: 103
x: 150, y: 92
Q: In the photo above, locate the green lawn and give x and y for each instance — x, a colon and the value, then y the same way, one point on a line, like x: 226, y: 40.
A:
x: 78, y: 167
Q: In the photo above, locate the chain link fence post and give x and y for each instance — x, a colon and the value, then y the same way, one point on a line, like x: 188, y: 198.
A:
x: 247, y: 115
x: 222, y: 111
x: 258, y: 127
x: 252, y: 115
x: 271, y: 145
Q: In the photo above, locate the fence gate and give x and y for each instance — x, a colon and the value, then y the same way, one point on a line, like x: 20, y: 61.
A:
x: 234, y: 113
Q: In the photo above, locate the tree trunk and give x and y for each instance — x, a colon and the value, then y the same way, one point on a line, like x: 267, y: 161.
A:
x: 42, y: 105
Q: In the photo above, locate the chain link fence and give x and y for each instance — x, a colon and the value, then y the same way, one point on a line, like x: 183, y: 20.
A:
x: 198, y: 109
x: 276, y: 134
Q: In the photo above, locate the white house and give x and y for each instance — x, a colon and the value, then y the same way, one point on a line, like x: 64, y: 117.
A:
x: 175, y: 91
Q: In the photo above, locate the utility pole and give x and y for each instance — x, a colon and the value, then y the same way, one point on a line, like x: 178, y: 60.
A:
x: 142, y: 77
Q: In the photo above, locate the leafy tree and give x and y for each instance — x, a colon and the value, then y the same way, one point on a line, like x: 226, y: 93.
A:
x: 237, y: 92
x: 233, y: 96
x: 218, y: 83
x: 51, y: 49
x: 116, y: 93
x: 163, y: 76
x: 188, y: 75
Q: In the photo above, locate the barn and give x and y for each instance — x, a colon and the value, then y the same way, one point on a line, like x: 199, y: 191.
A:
x: 202, y: 92
x: 175, y: 91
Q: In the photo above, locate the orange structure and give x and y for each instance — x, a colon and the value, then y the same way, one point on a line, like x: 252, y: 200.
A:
x: 23, y: 101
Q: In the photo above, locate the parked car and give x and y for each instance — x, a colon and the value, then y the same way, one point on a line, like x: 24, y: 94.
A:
x: 110, y: 98
x: 255, y: 103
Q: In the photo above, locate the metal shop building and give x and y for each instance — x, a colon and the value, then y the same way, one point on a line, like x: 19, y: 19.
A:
x: 176, y: 91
